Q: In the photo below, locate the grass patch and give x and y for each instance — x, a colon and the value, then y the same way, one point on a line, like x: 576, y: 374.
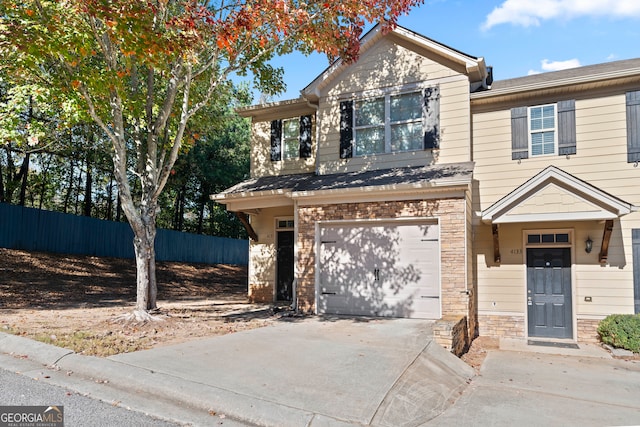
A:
x: 91, y: 344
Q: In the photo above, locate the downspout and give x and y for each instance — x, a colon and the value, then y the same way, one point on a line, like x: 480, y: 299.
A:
x: 294, y: 303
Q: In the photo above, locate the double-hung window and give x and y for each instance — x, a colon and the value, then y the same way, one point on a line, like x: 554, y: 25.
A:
x: 290, y: 138
x: 390, y: 123
x: 542, y: 130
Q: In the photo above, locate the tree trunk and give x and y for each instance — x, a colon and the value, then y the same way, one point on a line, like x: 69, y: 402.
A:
x: 144, y: 245
x: 88, y: 190
x: 67, y: 197
x: 1, y: 184
x: 24, y: 174
x: 109, y: 216
x: 118, y: 208
x: 44, y: 174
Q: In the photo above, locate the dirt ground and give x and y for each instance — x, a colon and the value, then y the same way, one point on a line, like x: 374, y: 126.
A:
x: 74, y: 302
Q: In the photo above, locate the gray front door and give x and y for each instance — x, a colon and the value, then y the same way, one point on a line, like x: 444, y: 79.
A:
x: 549, y: 292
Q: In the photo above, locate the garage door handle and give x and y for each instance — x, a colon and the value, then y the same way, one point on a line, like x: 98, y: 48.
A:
x: 429, y: 297
x: 329, y: 293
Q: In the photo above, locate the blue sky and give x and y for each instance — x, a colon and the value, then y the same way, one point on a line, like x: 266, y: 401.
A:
x: 517, y: 37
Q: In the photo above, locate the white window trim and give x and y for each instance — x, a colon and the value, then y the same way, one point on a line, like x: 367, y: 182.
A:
x: 387, y: 120
x: 554, y: 232
x: 284, y: 218
x: 555, y: 130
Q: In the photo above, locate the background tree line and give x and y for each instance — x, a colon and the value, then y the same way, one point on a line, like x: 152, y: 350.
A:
x: 53, y: 162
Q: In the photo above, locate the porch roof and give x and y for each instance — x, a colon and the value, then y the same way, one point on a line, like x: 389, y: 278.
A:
x: 310, y: 184
x: 555, y: 195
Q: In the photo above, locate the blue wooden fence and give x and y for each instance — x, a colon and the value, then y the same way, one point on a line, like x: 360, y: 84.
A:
x: 37, y: 230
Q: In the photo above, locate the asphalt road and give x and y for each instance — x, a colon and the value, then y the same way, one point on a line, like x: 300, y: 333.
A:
x: 79, y: 410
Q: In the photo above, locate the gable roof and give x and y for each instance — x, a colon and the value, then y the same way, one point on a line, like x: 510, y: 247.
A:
x: 587, y: 202
x: 474, y: 67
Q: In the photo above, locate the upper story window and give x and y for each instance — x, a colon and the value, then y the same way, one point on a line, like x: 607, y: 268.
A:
x: 388, y: 124
x: 394, y: 122
x: 291, y: 138
x: 543, y: 130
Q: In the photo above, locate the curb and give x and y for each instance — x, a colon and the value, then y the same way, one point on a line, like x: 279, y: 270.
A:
x: 169, y: 389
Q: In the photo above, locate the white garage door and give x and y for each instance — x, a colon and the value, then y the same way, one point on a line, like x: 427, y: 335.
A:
x: 386, y: 269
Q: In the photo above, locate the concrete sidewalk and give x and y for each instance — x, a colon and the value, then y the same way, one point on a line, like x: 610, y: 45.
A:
x: 526, y: 385
x: 309, y: 372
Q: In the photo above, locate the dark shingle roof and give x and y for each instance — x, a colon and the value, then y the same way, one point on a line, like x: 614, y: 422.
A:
x: 570, y: 73
x: 372, y: 178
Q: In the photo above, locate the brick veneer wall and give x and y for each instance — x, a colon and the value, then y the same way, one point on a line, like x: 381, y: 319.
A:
x: 451, y: 213
x: 260, y: 293
x: 501, y: 326
x: 514, y: 327
x: 588, y: 331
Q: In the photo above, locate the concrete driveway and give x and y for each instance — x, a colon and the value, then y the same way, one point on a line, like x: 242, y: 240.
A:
x: 314, y: 372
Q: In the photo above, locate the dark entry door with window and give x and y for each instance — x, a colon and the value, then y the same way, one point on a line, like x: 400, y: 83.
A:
x: 549, y: 292
x: 284, y: 269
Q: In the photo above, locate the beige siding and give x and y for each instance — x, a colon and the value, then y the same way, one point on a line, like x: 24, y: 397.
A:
x: 553, y: 199
x: 262, y: 254
x: 389, y: 66
x: 600, y: 161
x: 261, y: 164
x: 502, y: 288
x: 601, y: 157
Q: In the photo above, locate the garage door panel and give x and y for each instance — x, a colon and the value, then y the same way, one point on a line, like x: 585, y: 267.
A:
x: 381, y: 270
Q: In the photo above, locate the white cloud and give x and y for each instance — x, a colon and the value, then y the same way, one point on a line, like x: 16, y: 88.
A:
x: 547, y: 65
x: 531, y: 12
x: 612, y: 56
x: 559, y: 65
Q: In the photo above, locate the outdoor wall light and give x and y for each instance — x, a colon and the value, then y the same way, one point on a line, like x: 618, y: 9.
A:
x: 588, y: 245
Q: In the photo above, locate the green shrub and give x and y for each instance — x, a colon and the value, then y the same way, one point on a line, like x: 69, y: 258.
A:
x: 622, y: 331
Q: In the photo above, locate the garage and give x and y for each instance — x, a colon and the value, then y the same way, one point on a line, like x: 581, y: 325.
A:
x: 389, y: 269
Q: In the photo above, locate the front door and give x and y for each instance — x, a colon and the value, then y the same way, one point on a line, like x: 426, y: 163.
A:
x: 284, y: 268
x: 549, y: 292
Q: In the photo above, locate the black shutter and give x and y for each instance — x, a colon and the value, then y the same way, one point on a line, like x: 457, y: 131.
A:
x: 519, y: 134
x: 346, y: 129
x: 633, y: 127
x: 276, y: 140
x: 635, y: 242
x: 566, y: 127
x: 431, y: 117
x: 305, y: 137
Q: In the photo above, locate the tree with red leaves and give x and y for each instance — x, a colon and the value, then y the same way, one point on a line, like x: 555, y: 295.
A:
x: 142, y: 69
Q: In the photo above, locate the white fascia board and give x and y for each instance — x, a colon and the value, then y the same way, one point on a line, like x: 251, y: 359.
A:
x: 548, y: 217
x: 255, y: 200
x: 379, y: 194
x: 470, y: 63
x: 569, y: 81
x: 473, y: 66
